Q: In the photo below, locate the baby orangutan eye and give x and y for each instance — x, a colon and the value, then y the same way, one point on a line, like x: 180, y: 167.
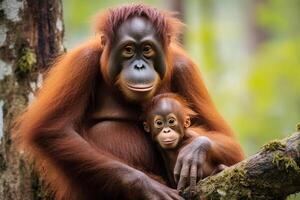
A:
x: 172, y: 121
x: 159, y: 123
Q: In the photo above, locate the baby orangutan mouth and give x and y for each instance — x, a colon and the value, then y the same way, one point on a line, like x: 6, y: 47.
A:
x: 169, y: 141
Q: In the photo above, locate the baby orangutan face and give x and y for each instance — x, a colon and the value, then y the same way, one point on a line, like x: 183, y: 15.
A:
x: 167, y: 123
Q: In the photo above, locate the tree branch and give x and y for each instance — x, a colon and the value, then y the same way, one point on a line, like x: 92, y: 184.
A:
x: 272, y: 173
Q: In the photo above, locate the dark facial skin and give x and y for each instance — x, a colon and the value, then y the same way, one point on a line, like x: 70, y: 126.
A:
x: 167, y: 123
x: 136, y: 62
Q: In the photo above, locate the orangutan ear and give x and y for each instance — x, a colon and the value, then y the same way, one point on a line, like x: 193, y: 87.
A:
x: 168, y: 39
x: 103, y: 40
x: 146, y: 127
x: 187, y: 122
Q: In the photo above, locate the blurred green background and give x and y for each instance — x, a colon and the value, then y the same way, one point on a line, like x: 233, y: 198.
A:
x: 248, y: 52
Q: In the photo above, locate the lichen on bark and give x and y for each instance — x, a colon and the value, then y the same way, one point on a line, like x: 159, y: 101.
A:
x: 26, y: 60
x: 274, y: 145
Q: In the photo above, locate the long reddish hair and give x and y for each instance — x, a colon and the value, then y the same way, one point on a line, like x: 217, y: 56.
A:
x: 165, y: 24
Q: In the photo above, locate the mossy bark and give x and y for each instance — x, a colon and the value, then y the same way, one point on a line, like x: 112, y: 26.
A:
x: 31, y: 34
x: 272, y: 173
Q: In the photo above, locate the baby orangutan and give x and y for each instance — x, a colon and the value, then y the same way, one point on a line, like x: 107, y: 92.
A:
x: 168, y: 120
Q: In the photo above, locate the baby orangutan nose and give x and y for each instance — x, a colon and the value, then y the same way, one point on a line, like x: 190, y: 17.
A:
x: 166, y: 130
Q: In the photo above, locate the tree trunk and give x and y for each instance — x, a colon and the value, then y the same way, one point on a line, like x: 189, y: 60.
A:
x: 272, y: 173
x: 257, y: 34
x: 177, y: 6
x: 31, y: 34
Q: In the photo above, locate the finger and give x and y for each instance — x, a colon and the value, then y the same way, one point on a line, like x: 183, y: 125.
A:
x: 202, y: 157
x: 199, y: 173
x: 165, y: 196
x: 183, y: 177
x: 201, y: 161
x: 221, y: 167
x: 181, y: 184
x: 174, y: 195
x: 193, y: 178
x: 218, y: 169
x: 178, y: 197
x: 177, y: 169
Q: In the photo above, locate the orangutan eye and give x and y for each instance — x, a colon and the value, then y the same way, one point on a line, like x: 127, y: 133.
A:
x: 128, y: 51
x: 148, y: 51
x: 172, y: 121
x: 159, y: 123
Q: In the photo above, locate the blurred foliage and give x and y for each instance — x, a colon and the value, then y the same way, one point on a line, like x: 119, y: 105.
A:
x: 248, y: 52
x: 273, y: 80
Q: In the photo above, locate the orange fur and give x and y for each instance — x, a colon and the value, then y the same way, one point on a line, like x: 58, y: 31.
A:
x: 52, y: 127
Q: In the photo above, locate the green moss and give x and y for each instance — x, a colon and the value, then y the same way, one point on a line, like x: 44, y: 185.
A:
x: 298, y: 126
x: 27, y: 58
x: 232, y: 186
x: 274, y: 146
x: 284, y: 162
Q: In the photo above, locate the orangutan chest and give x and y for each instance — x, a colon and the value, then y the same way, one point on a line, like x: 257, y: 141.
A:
x: 127, y: 141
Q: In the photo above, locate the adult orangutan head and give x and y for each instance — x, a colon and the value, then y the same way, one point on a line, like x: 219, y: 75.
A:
x: 135, y: 56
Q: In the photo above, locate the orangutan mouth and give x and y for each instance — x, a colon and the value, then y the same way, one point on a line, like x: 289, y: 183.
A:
x: 140, y: 87
x: 169, y: 141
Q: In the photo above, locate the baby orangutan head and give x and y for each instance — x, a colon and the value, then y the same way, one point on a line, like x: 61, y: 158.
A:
x: 167, y: 117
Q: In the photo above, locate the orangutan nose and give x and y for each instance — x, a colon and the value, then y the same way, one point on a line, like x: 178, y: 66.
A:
x: 139, y: 65
x: 167, y: 130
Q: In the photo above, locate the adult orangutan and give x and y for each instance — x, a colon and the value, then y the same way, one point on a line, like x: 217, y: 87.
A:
x: 82, y: 130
